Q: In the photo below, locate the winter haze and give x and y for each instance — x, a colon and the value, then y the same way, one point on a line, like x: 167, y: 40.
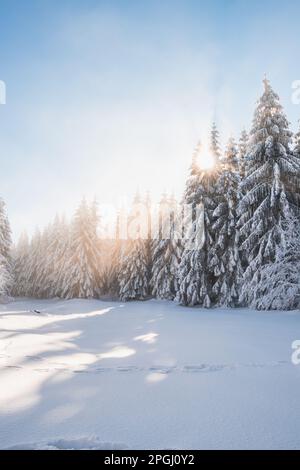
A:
x: 107, y: 97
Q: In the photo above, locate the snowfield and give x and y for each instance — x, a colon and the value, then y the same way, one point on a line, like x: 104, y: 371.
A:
x: 89, y: 374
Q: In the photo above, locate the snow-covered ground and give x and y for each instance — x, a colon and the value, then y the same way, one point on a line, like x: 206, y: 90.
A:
x: 93, y: 374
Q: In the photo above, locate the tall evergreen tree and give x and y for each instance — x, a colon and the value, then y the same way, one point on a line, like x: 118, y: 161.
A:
x: 196, y: 276
x: 20, y: 260
x: 167, y: 250
x: 5, y: 252
x: 243, y: 165
x: 61, y: 254
x: 215, y: 144
x: 242, y: 154
x: 44, y: 265
x: 193, y: 178
x: 189, y: 277
x: 81, y: 276
x: 5, y: 279
x: 228, y: 268
x: 148, y: 240
x: 213, y: 192
x: 112, y: 271
x: 134, y: 272
x: 134, y: 276
x: 271, y: 186
x: 57, y: 256
x: 34, y: 264
x: 98, y: 242
x: 276, y: 285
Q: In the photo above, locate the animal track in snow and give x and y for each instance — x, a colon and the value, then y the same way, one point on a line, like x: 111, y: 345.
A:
x: 187, y: 368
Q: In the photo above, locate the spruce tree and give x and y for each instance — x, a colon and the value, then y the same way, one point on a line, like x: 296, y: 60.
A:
x: 61, y: 258
x: 56, y: 256
x: 20, y: 260
x: 149, y: 229
x: 271, y: 187
x: 212, y: 193
x: 167, y: 250
x: 44, y: 266
x: 215, y: 144
x: 98, y: 242
x: 112, y: 268
x: 134, y: 272
x: 81, y: 273
x: 6, y: 280
x: 134, y: 277
x: 34, y: 264
x: 228, y: 268
x: 243, y: 165
x: 196, y: 276
x: 276, y: 285
x: 189, y: 277
x: 242, y: 154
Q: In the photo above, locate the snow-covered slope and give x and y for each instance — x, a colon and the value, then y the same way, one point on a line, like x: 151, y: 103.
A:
x: 92, y: 374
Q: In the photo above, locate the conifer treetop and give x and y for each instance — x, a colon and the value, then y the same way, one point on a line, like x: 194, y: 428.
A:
x: 270, y: 123
x: 214, y: 143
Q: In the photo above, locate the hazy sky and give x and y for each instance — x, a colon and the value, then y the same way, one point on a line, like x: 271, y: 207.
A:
x: 107, y: 96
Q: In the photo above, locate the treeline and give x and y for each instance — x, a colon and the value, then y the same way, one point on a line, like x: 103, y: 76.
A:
x: 239, y: 245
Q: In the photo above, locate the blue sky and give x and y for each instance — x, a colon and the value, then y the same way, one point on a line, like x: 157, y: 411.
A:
x: 107, y: 96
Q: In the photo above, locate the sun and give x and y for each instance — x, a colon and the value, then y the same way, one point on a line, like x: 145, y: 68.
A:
x: 206, y: 161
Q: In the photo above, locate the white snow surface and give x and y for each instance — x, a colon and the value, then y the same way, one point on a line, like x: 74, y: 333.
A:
x: 89, y: 374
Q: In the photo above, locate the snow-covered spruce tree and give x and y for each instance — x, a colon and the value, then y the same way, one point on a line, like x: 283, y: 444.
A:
x: 134, y: 272
x: 276, y: 285
x: 20, y: 256
x: 112, y: 266
x: 213, y: 193
x: 61, y: 251
x: 243, y: 158
x: 44, y: 272
x: 192, y: 183
x: 242, y: 154
x: 5, y: 252
x: 134, y: 276
x: 112, y: 274
x: 34, y: 264
x: 271, y: 187
x: 192, y: 262
x: 55, y: 243
x: 81, y: 272
x: 296, y: 149
x: 98, y: 241
x: 5, y: 280
x: 196, y: 270
x: 228, y: 270
x: 58, y: 252
x: 120, y: 250
x: 149, y: 238
x: 166, y: 251
x: 215, y: 143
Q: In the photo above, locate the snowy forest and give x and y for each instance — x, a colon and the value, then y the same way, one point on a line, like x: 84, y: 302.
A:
x: 250, y: 250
